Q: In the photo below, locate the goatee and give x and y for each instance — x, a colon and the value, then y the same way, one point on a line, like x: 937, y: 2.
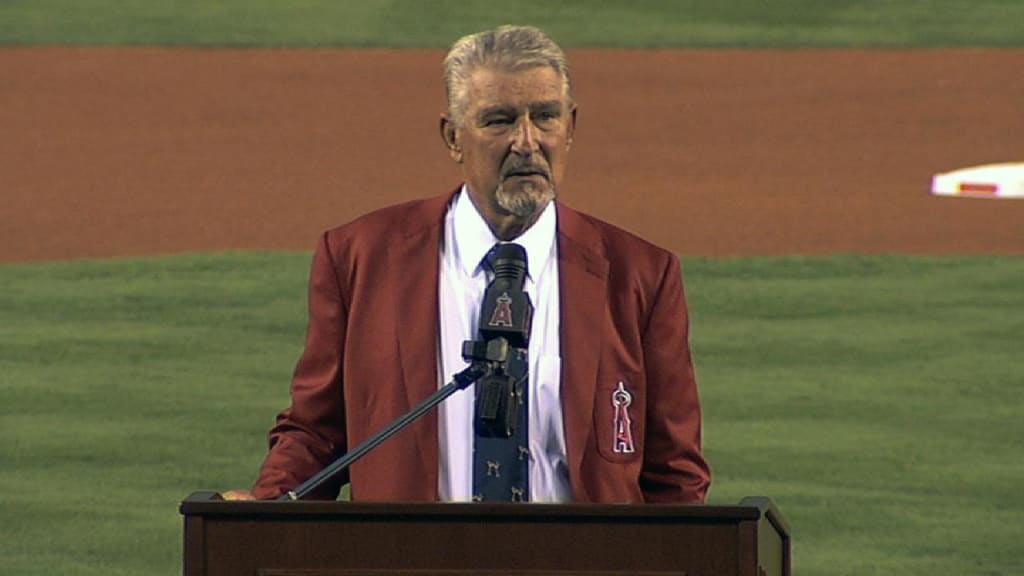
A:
x: 526, y: 200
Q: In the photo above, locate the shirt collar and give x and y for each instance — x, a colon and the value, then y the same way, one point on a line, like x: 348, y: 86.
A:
x: 473, y: 237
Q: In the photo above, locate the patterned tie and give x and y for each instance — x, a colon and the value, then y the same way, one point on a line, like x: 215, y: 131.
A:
x: 500, y: 455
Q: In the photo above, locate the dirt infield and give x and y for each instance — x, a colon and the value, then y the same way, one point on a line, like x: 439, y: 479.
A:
x: 110, y: 152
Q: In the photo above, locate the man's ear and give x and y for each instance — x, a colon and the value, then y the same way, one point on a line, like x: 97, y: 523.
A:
x: 450, y: 135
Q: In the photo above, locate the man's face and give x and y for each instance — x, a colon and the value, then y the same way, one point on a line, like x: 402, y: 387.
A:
x: 513, y: 143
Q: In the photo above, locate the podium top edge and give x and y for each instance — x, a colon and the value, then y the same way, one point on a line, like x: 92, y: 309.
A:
x: 210, y: 503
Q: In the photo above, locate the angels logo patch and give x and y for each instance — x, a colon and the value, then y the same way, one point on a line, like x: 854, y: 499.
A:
x: 502, y: 312
x: 623, y: 423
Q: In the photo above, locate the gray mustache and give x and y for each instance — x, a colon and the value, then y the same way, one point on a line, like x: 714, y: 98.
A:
x: 524, y: 169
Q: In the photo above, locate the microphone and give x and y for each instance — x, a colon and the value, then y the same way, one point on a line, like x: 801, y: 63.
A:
x: 506, y: 316
x: 505, y: 319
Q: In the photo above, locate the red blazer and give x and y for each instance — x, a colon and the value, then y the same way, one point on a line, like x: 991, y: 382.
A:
x: 372, y: 347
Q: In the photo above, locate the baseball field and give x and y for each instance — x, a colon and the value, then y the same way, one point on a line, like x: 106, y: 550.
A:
x: 166, y: 168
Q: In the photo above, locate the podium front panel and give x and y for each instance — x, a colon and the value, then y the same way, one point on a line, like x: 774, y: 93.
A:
x: 349, y: 539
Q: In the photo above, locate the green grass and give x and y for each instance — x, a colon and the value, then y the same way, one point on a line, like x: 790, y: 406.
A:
x: 415, y: 23
x: 124, y: 385
x: 876, y: 400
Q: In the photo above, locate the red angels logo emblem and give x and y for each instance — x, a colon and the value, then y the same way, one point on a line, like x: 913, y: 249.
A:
x: 502, y: 312
x: 623, y: 426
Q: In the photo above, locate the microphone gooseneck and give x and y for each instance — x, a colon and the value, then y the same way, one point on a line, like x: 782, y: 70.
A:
x: 505, y: 319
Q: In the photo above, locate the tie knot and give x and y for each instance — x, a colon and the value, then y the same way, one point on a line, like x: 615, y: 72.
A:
x: 507, y: 260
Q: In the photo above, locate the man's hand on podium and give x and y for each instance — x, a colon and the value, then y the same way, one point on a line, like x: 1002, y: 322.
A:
x: 237, y: 495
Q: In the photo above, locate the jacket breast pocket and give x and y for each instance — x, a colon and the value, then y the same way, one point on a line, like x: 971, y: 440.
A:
x: 619, y: 416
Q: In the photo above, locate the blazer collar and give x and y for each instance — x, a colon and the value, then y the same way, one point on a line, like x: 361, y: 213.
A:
x: 414, y: 295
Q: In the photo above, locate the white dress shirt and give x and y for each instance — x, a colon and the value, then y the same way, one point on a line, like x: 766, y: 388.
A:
x: 463, y: 280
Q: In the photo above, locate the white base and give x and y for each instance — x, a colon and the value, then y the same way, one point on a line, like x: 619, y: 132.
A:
x: 989, y: 181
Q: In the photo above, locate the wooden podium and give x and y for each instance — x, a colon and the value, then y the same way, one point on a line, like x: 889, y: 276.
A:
x: 270, y: 538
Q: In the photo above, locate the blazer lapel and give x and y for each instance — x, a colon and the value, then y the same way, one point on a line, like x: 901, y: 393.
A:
x: 414, y: 294
x: 583, y: 273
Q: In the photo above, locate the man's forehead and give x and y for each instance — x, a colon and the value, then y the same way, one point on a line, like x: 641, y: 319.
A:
x: 490, y: 87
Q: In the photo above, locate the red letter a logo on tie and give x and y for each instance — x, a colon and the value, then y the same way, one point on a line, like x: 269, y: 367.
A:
x: 502, y: 312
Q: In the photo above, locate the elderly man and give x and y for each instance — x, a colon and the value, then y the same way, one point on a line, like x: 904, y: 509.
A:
x: 613, y: 412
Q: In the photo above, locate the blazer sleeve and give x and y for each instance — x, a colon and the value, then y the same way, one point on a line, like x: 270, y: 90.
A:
x: 310, y: 433
x: 674, y: 469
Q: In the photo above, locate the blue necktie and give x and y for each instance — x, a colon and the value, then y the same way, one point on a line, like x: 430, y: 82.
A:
x: 501, y: 456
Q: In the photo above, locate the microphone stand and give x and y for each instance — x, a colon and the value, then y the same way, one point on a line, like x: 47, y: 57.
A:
x: 485, y: 356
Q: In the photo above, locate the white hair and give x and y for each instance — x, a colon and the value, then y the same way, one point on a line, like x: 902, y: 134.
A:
x: 507, y: 48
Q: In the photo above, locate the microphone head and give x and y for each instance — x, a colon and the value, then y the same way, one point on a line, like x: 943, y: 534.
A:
x: 508, y: 261
x: 507, y: 311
